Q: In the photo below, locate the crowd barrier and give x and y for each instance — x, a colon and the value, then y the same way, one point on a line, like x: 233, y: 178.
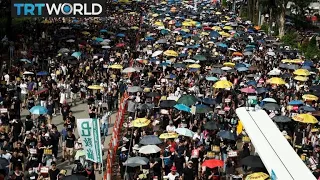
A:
x: 115, y: 137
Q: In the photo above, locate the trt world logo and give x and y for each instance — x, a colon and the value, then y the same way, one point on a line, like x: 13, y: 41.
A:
x: 57, y: 9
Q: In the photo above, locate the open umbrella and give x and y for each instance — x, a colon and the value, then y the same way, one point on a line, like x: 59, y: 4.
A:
x: 38, y: 110
x: 187, y: 100
x: 271, y: 106
x: 168, y: 135
x: 208, y: 101
x: 227, y: 135
x: 136, y: 161
x: 281, y: 119
x: 149, y: 149
x: 129, y: 70
x: 42, y: 73
x: 182, y: 107
x: 257, y: 176
x: 271, y: 100
x: 150, y: 139
x: 185, y: 132
x: 168, y: 103
x: 140, y: 122
x: 210, y: 125
x: 134, y: 89
x: 305, y: 118
x: 212, y: 163
x: 95, y: 87
x: 201, y: 109
x: 252, y: 161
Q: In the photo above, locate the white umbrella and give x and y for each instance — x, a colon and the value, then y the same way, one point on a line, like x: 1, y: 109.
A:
x: 185, y: 132
x: 189, y: 61
x: 149, y: 149
x: 237, y: 58
x: 70, y: 40
x: 28, y: 73
x: 232, y: 49
x: 106, y: 47
x: 271, y: 100
x: 274, y: 72
x: 226, y: 68
x: 271, y: 53
x: 180, y: 43
x: 156, y: 53
x: 129, y: 70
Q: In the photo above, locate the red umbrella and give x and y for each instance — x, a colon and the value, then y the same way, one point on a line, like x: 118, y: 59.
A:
x: 207, y: 28
x: 212, y: 163
x: 248, y: 90
x: 120, y: 45
x: 41, y: 91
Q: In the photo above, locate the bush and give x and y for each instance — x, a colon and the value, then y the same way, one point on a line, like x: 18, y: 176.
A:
x: 290, y: 39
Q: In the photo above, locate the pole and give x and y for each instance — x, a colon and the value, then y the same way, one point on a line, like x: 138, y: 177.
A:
x: 195, y: 5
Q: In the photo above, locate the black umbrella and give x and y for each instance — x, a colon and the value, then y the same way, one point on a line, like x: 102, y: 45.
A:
x: 152, y: 94
x: 168, y: 103
x: 3, y: 163
x: 145, y: 106
x: 74, y: 177
x: 227, y: 135
x: 261, y: 90
x: 211, y: 125
x: 271, y: 106
x: 209, y: 101
x: 281, y: 119
x: 252, y: 161
x: 150, y: 140
x: 217, y: 71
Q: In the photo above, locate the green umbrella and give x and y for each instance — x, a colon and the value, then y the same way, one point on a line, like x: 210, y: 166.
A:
x: 196, y: 38
x: 187, y: 100
x: 200, y: 57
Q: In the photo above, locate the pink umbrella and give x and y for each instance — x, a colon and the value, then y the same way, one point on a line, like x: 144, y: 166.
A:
x: 248, y: 90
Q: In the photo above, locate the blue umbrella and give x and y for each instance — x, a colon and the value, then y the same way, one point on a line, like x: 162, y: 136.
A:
x: 261, y: 90
x: 178, y: 24
x: 42, y: 73
x: 307, y: 63
x: 149, y: 38
x: 227, y: 135
x: 239, y: 65
x: 223, y: 45
x: 98, y: 39
x: 76, y: 54
x: 182, y: 107
x: 252, y: 83
x: 121, y: 35
x: 209, y: 101
x: 164, y: 31
x: 212, y: 78
x: 295, y: 102
x: 242, y: 69
x: 38, y: 110
x: 306, y: 67
x: 183, y: 55
x: 25, y: 60
x: 214, y: 34
x: 103, y: 31
x: 164, y: 64
x: 307, y: 108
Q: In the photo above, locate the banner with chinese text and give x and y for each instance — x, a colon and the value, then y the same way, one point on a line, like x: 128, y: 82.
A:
x: 89, y: 132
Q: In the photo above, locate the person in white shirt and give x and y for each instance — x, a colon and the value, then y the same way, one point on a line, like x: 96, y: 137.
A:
x: 173, y: 174
x: 24, y: 92
x: 171, y: 128
x: 5, y: 154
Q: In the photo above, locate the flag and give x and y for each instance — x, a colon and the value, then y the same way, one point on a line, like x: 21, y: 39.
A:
x: 89, y: 132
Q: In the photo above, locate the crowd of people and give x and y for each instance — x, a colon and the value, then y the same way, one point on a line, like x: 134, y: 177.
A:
x: 186, y: 70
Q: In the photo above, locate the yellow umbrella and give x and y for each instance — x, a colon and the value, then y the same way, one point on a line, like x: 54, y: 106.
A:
x: 216, y: 28
x: 301, y: 72
x: 196, y: 66
x: 170, y: 53
x: 257, y: 176
x: 186, y: 23
x: 297, y: 61
x: 155, y: 15
x: 305, y: 118
x: 229, y: 64
x: 301, y: 78
x: 286, y: 61
x: 168, y: 135
x: 185, y: 30
x: 223, y: 84
x: 134, y: 27
x: 227, y: 28
x: 95, y: 87
x: 204, y: 34
x: 218, y: 13
x: 85, y: 33
x: 239, y: 127
x: 115, y: 66
x: 276, y: 80
x: 309, y: 97
x: 158, y: 23
x: 140, y: 122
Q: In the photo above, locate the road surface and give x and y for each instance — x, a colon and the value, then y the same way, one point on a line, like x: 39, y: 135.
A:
x: 79, y: 111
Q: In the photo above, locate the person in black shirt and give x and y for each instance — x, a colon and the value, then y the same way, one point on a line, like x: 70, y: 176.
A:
x: 3, y: 136
x: 16, y: 130
x: 55, y: 137
x: 188, y: 172
x: 30, y: 141
x: 65, y: 111
x: 30, y: 101
x: 16, y: 161
x: 54, y: 171
x: 72, y: 118
x: 46, y: 141
x: 28, y: 124
x: 70, y: 141
x: 69, y: 125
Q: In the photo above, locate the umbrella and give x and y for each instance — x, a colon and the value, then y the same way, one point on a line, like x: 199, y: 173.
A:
x: 179, y: 65
x: 305, y: 118
x: 38, y: 110
x: 307, y: 108
x: 199, y: 57
x: 149, y: 149
x: 129, y: 70
x: 252, y: 161
x: 150, y: 139
x: 168, y: 103
x: 248, y: 90
x: 185, y: 132
x: 208, y: 101
x: 271, y: 100
x: 76, y: 54
x: 212, y: 78
x: 168, y: 136
x: 301, y: 72
x: 212, y: 163
x: 182, y: 107
x: 156, y: 53
x: 217, y: 71
x: 257, y: 176
x: 136, y: 161
x: 74, y: 177
x: 140, y: 122
x: 187, y: 100
x: 115, y: 66
x: 310, y: 97
x: 261, y: 90
x: 95, y: 87
x: 41, y: 91
x: 276, y: 80
x: 271, y: 106
x: 210, y: 125
x: 223, y: 84
x: 162, y: 41
x: 42, y: 73
x: 28, y: 73
x: 295, y: 102
x: 63, y: 50
x: 227, y: 135
x: 281, y: 119
x: 201, y: 109
x: 153, y: 94
x: 134, y: 89
x: 4, y: 163
x: 145, y: 106
x: 25, y: 60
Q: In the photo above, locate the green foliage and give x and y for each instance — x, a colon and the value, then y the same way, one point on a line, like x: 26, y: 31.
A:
x: 265, y: 28
x: 224, y: 3
x: 312, y: 49
x: 290, y: 39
